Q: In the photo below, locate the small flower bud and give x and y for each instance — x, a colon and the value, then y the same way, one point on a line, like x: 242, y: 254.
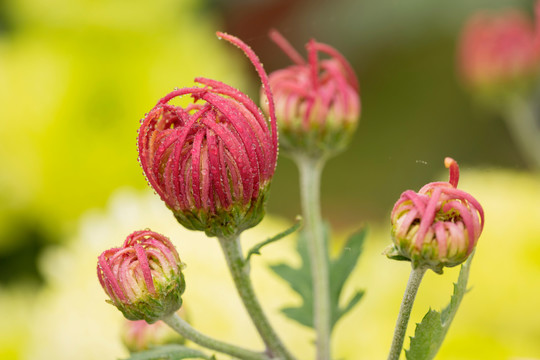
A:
x: 212, y: 161
x: 139, y: 335
x: 143, y: 278
x: 499, y: 53
x: 438, y: 226
x: 317, y: 102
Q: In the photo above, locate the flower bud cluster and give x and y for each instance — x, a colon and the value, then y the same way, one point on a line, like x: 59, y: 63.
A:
x: 437, y: 226
x: 143, y: 278
x: 317, y: 103
x: 211, y: 162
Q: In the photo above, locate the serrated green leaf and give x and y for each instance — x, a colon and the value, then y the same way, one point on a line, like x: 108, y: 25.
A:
x: 345, y: 309
x: 431, y: 331
x: 170, y: 352
x: 302, y: 314
x: 300, y: 280
x: 340, y: 270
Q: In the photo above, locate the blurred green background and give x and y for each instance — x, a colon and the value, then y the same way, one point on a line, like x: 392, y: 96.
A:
x: 77, y: 75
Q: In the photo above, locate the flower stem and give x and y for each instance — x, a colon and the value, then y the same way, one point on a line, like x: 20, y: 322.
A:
x: 310, y: 169
x: 405, y: 312
x: 184, y: 329
x: 239, y: 270
x: 522, y: 121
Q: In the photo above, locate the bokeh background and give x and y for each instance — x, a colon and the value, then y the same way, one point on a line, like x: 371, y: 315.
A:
x: 77, y: 75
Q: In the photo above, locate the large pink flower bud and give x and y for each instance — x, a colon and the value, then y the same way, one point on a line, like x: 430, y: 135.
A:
x: 500, y: 52
x: 143, y: 278
x: 317, y: 102
x: 211, y: 162
x: 437, y: 226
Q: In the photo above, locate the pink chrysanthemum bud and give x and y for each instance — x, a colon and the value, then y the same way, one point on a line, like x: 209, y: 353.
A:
x: 438, y: 226
x: 317, y: 102
x: 143, y: 278
x: 499, y: 53
x: 211, y: 162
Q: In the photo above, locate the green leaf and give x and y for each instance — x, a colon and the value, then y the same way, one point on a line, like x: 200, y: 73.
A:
x: 431, y: 331
x: 345, y: 309
x: 340, y: 269
x: 256, y: 250
x: 170, y: 352
x: 302, y: 314
x: 299, y: 279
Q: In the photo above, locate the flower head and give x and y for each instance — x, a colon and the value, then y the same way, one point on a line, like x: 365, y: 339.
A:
x: 437, y: 226
x: 143, y: 278
x: 317, y: 103
x: 499, y: 50
x: 211, y: 162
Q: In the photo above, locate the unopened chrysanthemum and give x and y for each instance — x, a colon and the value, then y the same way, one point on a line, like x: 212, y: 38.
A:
x: 500, y: 53
x: 143, y: 278
x: 438, y: 226
x: 211, y: 162
x: 317, y: 102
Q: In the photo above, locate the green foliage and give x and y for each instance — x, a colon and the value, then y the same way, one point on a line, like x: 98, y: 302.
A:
x: 170, y: 352
x: 431, y: 331
x: 299, y: 279
x: 256, y: 250
x: 340, y: 269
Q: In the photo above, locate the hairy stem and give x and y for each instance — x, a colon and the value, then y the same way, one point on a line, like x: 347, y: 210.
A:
x: 405, y: 312
x: 310, y: 180
x: 184, y: 329
x: 239, y: 270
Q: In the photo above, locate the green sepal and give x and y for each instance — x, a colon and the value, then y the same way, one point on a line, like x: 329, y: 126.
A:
x: 423, y: 259
x: 392, y: 252
x: 256, y: 250
x: 299, y: 279
x: 151, y: 308
x: 170, y: 352
x: 225, y: 223
x: 431, y: 331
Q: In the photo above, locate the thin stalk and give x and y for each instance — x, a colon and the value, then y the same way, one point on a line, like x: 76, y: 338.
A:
x: 239, y: 270
x: 310, y: 182
x: 184, y: 329
x: 524, y: 126
x: 405, y: 312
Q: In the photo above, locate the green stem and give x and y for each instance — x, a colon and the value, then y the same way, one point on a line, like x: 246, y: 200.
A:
x: 310, y: 180
x: 184, y: 329
x: 522, y: 122
x: 405, y: 312
x: 239, y: 270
